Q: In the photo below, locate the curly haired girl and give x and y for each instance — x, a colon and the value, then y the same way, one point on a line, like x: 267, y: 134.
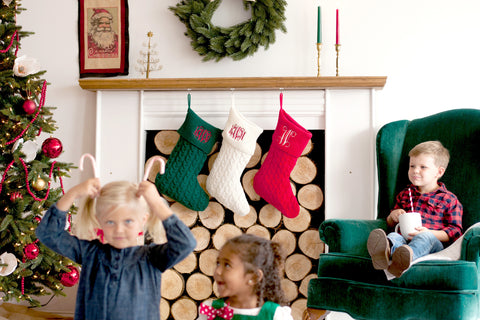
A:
x: 248, y: 275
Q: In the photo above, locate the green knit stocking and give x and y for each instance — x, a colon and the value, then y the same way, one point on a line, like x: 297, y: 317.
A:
x: 179, y: 181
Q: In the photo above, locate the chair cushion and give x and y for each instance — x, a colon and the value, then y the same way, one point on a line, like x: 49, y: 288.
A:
x: 349, y: 267
x: 426, y: 275
x: 440, y: 275
x: 380, y: 302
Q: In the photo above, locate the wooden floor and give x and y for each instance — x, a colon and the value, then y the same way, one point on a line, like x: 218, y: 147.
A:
x: 17, y: 312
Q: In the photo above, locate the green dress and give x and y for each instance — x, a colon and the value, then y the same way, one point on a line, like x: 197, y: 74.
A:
x: 266, y: 312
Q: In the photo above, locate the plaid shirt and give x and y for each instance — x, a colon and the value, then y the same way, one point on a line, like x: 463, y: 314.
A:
x: 440, y: 209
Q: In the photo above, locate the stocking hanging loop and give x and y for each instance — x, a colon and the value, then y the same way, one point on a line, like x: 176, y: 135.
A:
x: 233, y: 97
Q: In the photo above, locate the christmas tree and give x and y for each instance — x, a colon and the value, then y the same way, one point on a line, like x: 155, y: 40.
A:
x: 31, y: 180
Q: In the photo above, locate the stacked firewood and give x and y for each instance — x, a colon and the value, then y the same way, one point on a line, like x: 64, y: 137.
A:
x: 191, y: 281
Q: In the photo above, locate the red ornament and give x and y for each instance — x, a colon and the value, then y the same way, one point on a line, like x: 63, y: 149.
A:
x: 37, y: 219
x: 15, y: 196
x: 52, y: 147
x: 69, y: 279
x: 31, y: 251
x: 29, y: 106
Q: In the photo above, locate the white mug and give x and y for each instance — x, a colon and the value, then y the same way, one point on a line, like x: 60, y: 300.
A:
x: 407, y: 223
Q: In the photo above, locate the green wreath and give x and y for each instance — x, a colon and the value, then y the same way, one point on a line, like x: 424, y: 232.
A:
x: 237, y: 42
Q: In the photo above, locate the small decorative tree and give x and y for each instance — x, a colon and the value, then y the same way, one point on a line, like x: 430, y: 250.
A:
x: 148, y: 62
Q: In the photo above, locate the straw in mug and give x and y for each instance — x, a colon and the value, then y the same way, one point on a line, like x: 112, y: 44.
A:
x: 411, y: 201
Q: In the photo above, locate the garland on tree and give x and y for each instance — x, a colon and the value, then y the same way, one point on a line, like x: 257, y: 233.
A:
x: 237, y: 42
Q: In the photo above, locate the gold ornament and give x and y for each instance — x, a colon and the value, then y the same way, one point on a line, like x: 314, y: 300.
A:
x: 39, y: 184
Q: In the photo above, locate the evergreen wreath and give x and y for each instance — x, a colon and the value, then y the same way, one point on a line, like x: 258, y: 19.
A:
x: 238, y: 41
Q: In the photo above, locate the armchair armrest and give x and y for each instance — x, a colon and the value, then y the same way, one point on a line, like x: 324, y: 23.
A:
x: 471, y: 245
x: 349, y: 236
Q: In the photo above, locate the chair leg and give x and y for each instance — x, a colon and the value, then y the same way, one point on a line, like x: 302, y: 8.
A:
x: 315, y: 314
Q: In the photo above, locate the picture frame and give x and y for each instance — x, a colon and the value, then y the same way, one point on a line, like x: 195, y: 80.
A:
x: 103, y: 38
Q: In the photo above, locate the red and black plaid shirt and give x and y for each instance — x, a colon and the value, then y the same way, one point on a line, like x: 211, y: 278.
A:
x: 440, y: 209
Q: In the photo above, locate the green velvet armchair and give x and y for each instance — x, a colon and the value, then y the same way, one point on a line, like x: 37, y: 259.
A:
x: 434, y: 289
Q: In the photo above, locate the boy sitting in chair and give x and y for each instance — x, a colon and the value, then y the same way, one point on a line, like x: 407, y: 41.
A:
x: 440, y: 210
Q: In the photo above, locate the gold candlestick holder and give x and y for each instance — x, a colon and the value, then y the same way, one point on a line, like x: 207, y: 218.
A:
x: 337, y: 50
x: 319, y: 48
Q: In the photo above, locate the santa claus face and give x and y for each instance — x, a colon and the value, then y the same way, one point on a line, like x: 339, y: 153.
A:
x: 101, y: 31
x: 103, y: 24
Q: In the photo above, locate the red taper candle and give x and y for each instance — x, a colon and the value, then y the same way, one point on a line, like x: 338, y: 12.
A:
x: 338, y: 33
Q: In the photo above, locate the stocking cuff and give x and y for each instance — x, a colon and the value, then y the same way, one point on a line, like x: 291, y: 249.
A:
x: 240, y: 132
x: 199, y: 132
x: 289, y: 135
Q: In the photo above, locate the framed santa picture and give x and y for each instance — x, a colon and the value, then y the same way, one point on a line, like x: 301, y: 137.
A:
x: 103, y: 38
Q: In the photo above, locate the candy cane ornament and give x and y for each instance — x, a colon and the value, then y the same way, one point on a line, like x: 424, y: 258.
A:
x: 150, y: 164
x: 93, y: 161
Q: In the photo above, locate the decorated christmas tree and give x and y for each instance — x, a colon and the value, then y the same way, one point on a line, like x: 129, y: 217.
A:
x: 31, y: 178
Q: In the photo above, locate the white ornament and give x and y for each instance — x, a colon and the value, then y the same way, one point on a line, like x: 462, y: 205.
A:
x: 29, y: 149
x: 25, y: 66
x: 11, y: 263
x: 15, y: 145
x: 26, y: 214
x: 7, y: 2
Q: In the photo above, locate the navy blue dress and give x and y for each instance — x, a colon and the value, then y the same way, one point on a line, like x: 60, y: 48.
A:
x: 117, y: 283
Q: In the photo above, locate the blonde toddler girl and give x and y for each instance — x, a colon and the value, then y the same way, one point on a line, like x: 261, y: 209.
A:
x: 120, y: 279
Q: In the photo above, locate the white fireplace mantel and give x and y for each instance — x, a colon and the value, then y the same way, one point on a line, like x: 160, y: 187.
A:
x: 343, y: 106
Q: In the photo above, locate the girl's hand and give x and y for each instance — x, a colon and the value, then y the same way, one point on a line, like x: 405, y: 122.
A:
x: 158, y: 205
x: 92, y: 188
x: 89, y: 188
x: 148, y: 191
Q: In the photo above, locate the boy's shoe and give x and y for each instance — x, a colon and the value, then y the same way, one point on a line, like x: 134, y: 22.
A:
x: 379, y: 249
x: 401, y: 260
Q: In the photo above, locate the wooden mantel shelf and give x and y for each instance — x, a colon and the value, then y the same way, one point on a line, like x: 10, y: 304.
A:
x: 247, y: 83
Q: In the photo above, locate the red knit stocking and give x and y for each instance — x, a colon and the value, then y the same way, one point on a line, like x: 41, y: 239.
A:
x: 272, y: 181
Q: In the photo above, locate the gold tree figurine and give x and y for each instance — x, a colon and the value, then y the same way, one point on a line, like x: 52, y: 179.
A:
x: 148, y: 62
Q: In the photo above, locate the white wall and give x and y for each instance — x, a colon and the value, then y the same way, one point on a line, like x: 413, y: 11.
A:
x: 428, y: 49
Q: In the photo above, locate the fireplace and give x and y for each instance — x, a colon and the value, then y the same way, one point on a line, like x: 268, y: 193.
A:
x: 338, y: 111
